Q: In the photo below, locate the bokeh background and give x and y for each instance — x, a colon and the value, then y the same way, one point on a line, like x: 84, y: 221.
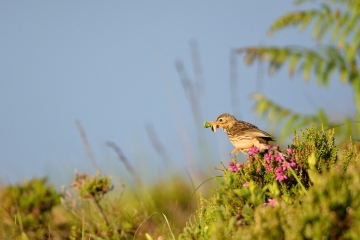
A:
x: 114, y: 66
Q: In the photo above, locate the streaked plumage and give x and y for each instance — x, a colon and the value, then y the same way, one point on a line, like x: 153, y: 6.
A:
x: 242, y: 135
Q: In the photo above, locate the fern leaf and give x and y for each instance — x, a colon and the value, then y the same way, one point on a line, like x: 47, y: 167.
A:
x: 343, y: 75
x: 319, y: 69
x: 308, y: 66
x: 293, y: 63
x: 329, y: 69
x: 354, y: 46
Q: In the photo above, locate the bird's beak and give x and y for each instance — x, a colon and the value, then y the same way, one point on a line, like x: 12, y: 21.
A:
x: 214, y: 126
x: 211, y: 125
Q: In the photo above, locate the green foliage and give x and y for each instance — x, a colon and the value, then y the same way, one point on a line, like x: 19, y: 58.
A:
x: 349, y: 154
x: 330, y: 210
x: 92, y: 188
x: 286, y: 120
x: 27, y: 208
x: 320, y: 143
x: 311, y: 190
x: 257, y: 201
x: 91, y: 191
x: 340, y: 22
x: 97, y: 212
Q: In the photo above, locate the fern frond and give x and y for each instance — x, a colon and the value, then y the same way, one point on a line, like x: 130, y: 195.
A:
x: 322, y: 61
x: 327, y: 20
x: 282, y: 118
x: 302, y: 18
x: 285, y: 120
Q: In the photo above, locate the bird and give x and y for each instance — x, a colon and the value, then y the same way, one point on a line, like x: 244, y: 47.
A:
x: 242, y: 135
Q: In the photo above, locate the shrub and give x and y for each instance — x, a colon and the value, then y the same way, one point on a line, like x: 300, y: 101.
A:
x: 301, y: 192
x: 27, y: 208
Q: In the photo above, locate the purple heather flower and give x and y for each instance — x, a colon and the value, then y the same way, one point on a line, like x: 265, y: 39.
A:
x: 293, y: 165
x: 268, y: 157
x: 239, y: 165
x: 253, y: 151
x: 245, y: 185
x: 275, y: 147
x: 267, y: 146
x: 290, y: 151
x: 278, y: 158
x: 268, y: 167
x: 231, y: 164
x: 279, y: 174
x: 272, y: 202
x: 233, y: 169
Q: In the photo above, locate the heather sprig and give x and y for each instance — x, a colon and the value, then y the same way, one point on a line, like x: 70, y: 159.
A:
x: 266, y: 165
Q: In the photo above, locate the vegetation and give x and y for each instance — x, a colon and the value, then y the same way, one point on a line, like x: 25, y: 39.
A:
x: 336, y: 30
x: 308, y: 190
x: 304, y: 192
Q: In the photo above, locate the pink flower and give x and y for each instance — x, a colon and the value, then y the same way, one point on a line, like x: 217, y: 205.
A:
x: 239, y: 165
x: 290, y: 151
x: 279, y: 174
x: 245, y: 185
x: 293, y: 165
x: 280, y: 177
x: 268, y: 167
x: 278, y: 158
x: 231, y: 164
x: 271, y: 202
x: 235, y: 167
x: 268, y: 157
x: 253, y: 151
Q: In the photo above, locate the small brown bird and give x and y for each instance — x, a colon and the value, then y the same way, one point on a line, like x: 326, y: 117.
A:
x: 242, y: 135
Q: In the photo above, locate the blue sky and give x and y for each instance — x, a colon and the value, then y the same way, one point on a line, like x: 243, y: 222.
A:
x: 111, y: 65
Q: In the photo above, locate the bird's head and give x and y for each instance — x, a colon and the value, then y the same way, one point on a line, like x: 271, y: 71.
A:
x: 224, y: 121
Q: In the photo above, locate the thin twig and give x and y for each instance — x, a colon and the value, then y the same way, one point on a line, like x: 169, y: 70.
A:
x: 159, y: 148
x: 86, y: 144
x: 101, y: 212
x: 124, y: 160
x: 189, y: 91
x: 177, y: 116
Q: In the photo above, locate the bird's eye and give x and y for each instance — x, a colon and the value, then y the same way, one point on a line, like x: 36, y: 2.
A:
x: 220, y: 120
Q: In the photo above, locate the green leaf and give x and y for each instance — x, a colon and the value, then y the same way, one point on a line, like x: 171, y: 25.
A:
x: 329, y: 69
x: 293, y: 18
x: 306, y: 20
x: 343, y: 75
x: 293, y: 62
x: 319, y: 70
x: 307, y: 66
x: 354, y: 46
x: 317, y: 27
